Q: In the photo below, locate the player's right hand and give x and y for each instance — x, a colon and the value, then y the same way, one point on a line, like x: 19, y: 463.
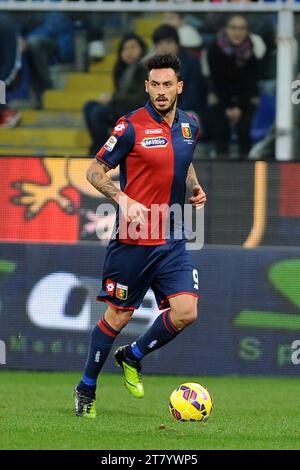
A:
x: 132, y: 210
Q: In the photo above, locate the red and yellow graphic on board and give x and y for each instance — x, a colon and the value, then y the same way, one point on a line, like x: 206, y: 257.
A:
x: 40, y: 199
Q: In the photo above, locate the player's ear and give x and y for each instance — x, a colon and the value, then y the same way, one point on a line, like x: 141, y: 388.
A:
x: 146, y: 86
x: 179, y: 87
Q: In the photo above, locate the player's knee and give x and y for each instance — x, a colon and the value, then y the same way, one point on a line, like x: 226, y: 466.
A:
x: 188, y: 315
x: 117, y: 319
x: 123, y: 317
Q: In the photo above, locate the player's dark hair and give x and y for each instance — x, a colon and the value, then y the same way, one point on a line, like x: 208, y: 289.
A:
x: 164, y: 61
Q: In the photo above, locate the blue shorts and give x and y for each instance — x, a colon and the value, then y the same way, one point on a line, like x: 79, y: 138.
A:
x: 130, y: 270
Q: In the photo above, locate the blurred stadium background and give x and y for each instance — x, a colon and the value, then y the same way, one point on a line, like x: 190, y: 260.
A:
x: 51, y: 257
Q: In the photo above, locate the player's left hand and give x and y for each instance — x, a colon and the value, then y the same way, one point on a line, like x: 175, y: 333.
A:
x: 199, y: 197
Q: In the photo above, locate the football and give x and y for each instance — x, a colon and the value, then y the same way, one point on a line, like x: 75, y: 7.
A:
x: 191, y: 402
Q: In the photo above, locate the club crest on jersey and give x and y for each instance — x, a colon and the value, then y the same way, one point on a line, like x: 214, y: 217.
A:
x: 121, y: 291
x: 148, y: 142
x: 110, y: 143
x: 186, y: 130
x: 110, y: 287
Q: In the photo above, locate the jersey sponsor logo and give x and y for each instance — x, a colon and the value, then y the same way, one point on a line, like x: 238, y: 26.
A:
x: 186, y: 130
x: 110, y: 287
x: 119, y: 129
x: 121, y: 291
x: 153, y: 131
x: 149, y: 142
x: 110, y: 143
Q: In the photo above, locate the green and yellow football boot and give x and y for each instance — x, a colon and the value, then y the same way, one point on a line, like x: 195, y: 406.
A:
x: 132, y: 372
x: 85, y: 405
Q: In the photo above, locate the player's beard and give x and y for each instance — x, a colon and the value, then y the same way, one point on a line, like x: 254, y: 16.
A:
x: 164, y: 112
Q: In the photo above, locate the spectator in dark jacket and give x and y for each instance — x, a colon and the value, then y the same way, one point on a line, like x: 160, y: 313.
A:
x: 52, y: 40
x: 193, y: 98
x: 234, y: 63
x: 129, y: 77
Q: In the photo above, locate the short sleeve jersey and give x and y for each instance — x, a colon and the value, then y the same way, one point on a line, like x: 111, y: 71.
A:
x: 154, y: 159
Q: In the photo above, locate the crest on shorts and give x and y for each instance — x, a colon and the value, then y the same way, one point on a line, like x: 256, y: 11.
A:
x: 186, y: 130
x: 121, y: 291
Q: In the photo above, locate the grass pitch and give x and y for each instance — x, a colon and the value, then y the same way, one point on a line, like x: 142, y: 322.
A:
x: 36, y: 412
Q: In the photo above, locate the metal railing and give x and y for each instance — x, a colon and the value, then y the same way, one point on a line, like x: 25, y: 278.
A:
x: 150, y: 5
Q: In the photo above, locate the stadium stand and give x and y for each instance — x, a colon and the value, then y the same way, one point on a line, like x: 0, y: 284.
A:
x: 58, y: 129
x: 62, y: 104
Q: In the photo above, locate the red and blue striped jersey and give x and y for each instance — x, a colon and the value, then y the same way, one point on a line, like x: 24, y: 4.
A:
x: 154, y: 159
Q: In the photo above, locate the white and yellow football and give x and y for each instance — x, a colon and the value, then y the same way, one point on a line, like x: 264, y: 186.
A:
x: 191, y: 402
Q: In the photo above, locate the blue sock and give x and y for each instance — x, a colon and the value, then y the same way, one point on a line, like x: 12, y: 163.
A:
x: 102, y: 338
x: 161, y: 332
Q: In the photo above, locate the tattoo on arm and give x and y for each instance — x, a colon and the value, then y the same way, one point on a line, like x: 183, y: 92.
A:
x: 191, y: 179
x: 102, y: 182
x: 105, y: 167
x: 109, y: 189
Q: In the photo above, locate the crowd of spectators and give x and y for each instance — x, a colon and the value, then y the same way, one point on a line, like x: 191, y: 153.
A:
x: 129, y: 91
x: 234, y: 64
x: 10, y: 67
x: 224, y: 61
x: 26, y: 54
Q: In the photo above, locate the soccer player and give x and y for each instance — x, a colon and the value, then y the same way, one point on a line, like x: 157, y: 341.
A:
x: 154, y: 147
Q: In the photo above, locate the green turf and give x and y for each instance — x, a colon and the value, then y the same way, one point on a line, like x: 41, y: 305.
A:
x: 36, y: 412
